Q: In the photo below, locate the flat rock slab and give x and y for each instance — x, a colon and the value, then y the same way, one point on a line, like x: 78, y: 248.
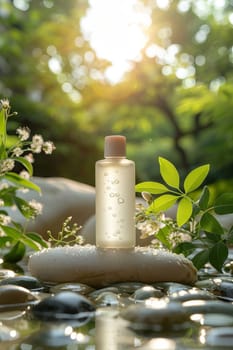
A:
x: 96, y: 267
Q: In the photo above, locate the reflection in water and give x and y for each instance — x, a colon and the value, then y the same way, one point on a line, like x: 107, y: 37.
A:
x: 111, y: 332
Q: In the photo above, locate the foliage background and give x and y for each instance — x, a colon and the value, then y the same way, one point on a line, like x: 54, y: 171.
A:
x: 180, y: 109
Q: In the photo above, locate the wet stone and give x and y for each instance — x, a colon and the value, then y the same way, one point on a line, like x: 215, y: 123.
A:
x: 28, y: 282
x: 223, y: 288
x: 71, y: 287
x: 205, y: 284
x: 191, y: 294
x: 146, y: 292
x: 221, y: 337
x: 228, y: 268
x: 207, y: 307
x: 5, y: 273
x: 157, y: 316
x: 97, y: 292
x: 213, y: 320
x: 64, y: 306
x: 11, y: 315
x: 11, y: 295
x: 107, y: 299
x: 170, y: 287
x: 128, y: 287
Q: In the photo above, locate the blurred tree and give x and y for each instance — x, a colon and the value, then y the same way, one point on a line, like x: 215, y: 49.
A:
x: 43, y: 70
x: 176, y: 101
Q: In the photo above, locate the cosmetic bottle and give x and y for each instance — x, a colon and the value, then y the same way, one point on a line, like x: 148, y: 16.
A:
x: 115, y: 196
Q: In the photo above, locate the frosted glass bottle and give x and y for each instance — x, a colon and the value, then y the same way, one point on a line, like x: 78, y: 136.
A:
x: 115, y: 196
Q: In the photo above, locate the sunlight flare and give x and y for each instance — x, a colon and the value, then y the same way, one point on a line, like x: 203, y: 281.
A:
x: 117, y: 32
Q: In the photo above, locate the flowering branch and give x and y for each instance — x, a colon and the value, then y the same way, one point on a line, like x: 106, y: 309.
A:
x: 11, y: 184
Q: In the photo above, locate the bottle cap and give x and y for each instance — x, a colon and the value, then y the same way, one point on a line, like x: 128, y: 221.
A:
x: 115, y: 146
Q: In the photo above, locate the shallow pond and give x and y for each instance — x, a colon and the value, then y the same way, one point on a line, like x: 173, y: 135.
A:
x: 123, y: 316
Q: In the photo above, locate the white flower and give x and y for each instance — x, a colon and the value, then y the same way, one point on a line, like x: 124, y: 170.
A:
x: 5, y: 219
x: 37, y: 139
x: 48, y: 147
x: 29, y: 157
x: 1, y: 203
x: 23, y: 133
x: 17, y: 151
x: 37, y: 143
x: 6, y: 165
x: 25, y: 174
x: 5, y: 103
x: 36, y: 206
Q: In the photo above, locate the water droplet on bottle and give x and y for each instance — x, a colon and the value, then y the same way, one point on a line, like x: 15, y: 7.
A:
x: 120, y: 200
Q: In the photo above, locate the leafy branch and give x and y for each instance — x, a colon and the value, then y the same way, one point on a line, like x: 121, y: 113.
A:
x: 196, y: 231
x: 13, y: 236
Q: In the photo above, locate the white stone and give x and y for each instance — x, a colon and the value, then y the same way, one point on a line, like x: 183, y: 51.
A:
x: 60, y: 198
x: 95, y: 267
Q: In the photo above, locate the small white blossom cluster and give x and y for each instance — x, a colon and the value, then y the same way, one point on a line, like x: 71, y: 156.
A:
x: 5, y: 220
x: 23, y: 133
x: 5, y: 103
x: 150, y: 225
x: 6, y: 165
x: 37, y: 145
x: 29, y: 157
x: 36, y: 207
x: 48, y: 147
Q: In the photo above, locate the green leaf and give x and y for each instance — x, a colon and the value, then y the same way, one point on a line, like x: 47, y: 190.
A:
x: 4, y: 240
x: 201, y: 258
x: 210, y: 224
x: 151, y: 187
x: 29, y: 242
x: 15, y: 254
x: 12, y: 232
x: 204, y: 198
x: 195, y: 178
x: 212, y: 237
x: 162, y: 236
x: 37, y: 238
x: 163, y: 203
x: 184, y: 211
x: 28, y: 166
x: 8, y: 199
x: 218, y: 255
x: 230, y: 237
x: 19, y: 181
x: 185, y: 248
x: 224, y: 204
x: 169, y: 173
x: 24, y: 207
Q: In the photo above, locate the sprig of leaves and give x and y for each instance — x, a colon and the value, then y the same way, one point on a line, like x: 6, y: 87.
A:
x: 196, y: 231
